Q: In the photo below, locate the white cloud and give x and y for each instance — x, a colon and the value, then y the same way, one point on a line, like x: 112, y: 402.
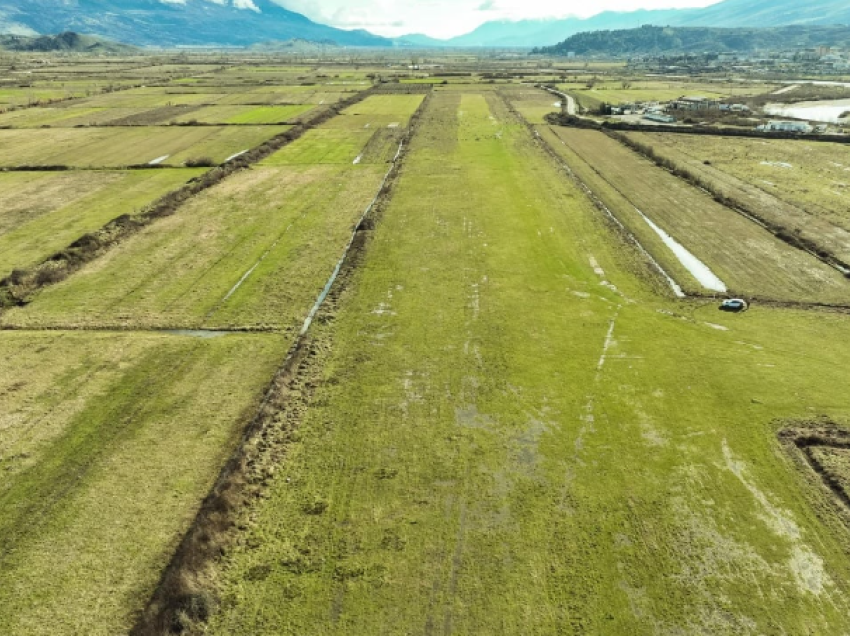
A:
x: 447, y: 18
x: 246, y: 4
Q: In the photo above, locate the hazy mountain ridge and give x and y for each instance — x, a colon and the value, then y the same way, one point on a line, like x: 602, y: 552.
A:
x: 158, y: 23
x: 730, y: 13
x: 648, y: 40
x: 68, y: 41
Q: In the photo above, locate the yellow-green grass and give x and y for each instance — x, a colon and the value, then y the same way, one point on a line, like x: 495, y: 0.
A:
x: 502, y: 445
x: 284, y: 95
x: 110, y: 442
x: 42, y: 116
x: 746, y: 257
x: 44, y: 212
x: 116, y: 147
x: 137, y: 98
x: 254, y: 251
x: 813, y: 176
x: 25, y: 96
x: 534, y: 104
x: 398, y: 106
x: 240, y: 114
x: 326, y: 145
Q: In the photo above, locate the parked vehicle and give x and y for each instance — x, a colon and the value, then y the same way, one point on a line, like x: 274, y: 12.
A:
x: 734, y: 305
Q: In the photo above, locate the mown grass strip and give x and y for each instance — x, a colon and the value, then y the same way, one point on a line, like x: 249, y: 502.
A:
x: 15, y: 290
x: 186, y: 595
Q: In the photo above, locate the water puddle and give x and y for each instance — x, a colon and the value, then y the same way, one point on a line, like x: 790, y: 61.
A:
x: 696, y: 267
x: 327, y: 288
x: 238, y: 154
x: 158, y: 160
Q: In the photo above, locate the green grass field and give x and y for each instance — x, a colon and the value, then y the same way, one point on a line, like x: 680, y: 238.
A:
x: 812, y: 176
x: 747, y: 258
x: 400, y: 106
x: 117, y: 147
x: 99, y: 481
x: 44, y: 212
x: 503, y: 421
x: 508, y: 441
x: 219, y: 261
x: 534, y: 104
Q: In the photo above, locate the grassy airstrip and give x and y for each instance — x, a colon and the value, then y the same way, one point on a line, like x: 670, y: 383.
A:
x: 502, y: 423
x: 516, y: 435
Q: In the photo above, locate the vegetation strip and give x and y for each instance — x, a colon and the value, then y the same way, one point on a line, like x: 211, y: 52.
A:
x: 184, y: 595
x: 17, y: 288
x: 809, y: 246
x: 598, y: 204
x: 610, y: 217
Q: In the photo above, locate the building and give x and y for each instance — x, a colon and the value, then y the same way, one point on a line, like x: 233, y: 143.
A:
x: 695, y: 103
x: 660, y: 118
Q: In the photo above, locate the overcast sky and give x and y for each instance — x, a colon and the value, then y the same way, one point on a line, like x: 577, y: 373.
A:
x: 447, y: 18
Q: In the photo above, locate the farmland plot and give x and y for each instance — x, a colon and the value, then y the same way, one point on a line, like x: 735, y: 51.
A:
x: 797, y: 184
x: 534, y: 104
x: 110, y: 442
x: 137, y: 98
x: 368, y: 132
x: 117, y: 147
x: 44, y: 212
x: 246, y: 114
x: 401, y: 107
x: 746, y: 258
x: 506, y: 406
x: 286, y: 95
x: 254, y: 251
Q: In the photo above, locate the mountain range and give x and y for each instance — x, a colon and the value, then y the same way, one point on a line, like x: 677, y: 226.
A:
x: 729, y: 13
x: 652, y: 40
x: 67, y: 41
x: 174, y: 22
x: 168, y: 23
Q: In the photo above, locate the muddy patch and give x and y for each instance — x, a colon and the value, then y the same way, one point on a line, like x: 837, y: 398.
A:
x: 822, y: 450
x: 805, y: 565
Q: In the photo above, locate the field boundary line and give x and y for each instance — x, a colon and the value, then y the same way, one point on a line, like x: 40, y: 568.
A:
x: 17, y: 288
x: 185, y: 595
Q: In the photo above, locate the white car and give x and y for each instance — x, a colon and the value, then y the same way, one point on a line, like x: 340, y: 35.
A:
x: 734, y: 305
